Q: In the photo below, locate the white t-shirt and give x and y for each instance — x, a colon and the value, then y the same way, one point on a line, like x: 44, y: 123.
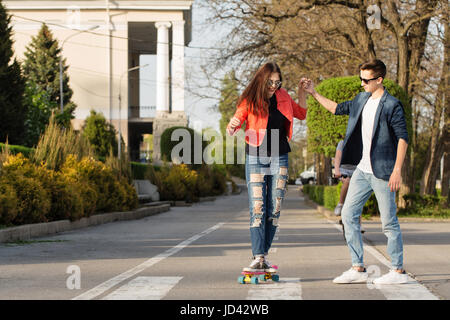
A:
x: 368, y: 118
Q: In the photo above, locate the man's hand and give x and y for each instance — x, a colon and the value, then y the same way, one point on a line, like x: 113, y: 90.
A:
x: 395, y: 181
x: 307, y: 85
x: 234, y: 122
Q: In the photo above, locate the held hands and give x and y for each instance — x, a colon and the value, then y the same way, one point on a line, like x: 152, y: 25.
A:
x: 231, y: 127
x: 307, y: 85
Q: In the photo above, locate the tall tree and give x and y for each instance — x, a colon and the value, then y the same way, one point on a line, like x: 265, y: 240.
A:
x: 440, y: 130
x: 11, y: 85
x: 41, y: 69
x: 322, y: 39
x: 228, y: 99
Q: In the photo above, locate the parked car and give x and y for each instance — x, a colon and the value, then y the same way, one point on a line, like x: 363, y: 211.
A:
x: 308, y: 176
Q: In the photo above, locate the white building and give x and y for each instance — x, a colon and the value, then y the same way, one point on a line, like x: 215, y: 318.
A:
x: 116, y: 34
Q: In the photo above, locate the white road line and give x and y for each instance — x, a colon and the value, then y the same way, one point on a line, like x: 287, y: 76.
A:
x: 412, y: 290
x: 144, y: 288
x: 285, y: 289
x: 103, y: 287
x: 272, y: 250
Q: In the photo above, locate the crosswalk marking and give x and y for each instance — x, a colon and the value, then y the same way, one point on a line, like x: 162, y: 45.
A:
x: 144, y: 288
x: 285, y: 289
x: 103, y: 287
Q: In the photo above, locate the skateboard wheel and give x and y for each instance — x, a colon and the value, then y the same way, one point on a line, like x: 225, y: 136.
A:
x: 262, y: 277
x: 254, y: 280
x: 275, y: 278
x: 241, y: 279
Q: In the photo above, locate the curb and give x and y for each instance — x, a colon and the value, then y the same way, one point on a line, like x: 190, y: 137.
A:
x: 28, y: 231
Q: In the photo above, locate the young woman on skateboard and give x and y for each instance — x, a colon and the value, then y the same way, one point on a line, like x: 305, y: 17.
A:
x: 269, y: 111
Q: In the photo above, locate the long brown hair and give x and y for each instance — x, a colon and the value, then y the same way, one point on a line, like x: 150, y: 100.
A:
x: 256, y: 92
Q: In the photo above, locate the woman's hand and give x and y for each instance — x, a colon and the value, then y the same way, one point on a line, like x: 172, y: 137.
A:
x: 231, y: 127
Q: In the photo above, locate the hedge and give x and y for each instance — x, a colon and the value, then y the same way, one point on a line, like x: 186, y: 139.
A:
x: 328, y: 196
x: 14, y: 149
x: 32, y: 193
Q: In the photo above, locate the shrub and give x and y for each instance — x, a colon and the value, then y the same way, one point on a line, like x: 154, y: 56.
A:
x: 167, y: 144
x: 219, y: 175
x: 57, y: 143
x: 66, y: 199
x: 33, y: 200
x: 100, y: 134
x: 425, y: 205
x: 179, y: 182
x: 331, y: 196
x: 111, y: 196
x: 328, y: 196
x: 8, y: 203
x: 205, y: 183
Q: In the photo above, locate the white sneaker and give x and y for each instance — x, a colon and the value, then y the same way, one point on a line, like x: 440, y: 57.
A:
x: 392, y: 277
x: 256, y: 265
x: 352, y: 276
x: 268, y: 266
x: 338, y: 209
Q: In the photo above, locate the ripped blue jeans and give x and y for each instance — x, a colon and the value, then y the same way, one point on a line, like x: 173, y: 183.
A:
x: 266, y: 182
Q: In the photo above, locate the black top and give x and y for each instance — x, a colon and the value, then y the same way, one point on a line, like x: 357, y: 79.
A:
x: 276, y: 121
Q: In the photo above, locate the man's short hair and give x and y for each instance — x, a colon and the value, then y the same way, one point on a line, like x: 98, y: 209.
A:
x: 377, y: 67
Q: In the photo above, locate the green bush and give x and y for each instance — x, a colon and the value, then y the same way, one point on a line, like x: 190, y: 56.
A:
x: 167, y: 144
x: 426, y: 205
x: 139, y: 170
x: 33, y: 200
x: 13, y: 149
x: 331, y: 196
x: 179, y: 182
x: 328, y: 196
x: 57, y: 143
x: 9, y: 203
x: 66, y: 199
x: 100, y: 134
x: 111, y: 195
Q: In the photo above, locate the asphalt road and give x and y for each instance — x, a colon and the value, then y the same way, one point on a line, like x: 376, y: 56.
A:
x: 197, y: 253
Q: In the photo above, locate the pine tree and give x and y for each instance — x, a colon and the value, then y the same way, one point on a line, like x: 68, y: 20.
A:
x: 41, y: 70
x: 11, y: 86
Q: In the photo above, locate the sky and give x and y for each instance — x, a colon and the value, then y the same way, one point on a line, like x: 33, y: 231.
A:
x: 200, y: 111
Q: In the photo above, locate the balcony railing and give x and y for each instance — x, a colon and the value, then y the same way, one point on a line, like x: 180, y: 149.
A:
x: 141, y: 111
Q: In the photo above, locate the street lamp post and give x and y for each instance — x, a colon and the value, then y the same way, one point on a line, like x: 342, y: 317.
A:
x: 61, y: 68
x: 119, y: 151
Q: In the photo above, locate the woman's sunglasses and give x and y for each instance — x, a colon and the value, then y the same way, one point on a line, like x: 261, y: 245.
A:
x: 271, y: 83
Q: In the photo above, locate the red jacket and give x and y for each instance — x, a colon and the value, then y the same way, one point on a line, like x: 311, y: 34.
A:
x: 257, y: 125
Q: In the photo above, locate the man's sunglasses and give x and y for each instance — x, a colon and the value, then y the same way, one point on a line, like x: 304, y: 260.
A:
x: 271, y: 83
x: 366, y: 81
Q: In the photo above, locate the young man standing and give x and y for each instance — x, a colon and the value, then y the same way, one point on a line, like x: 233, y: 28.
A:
x: 376, y: 141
